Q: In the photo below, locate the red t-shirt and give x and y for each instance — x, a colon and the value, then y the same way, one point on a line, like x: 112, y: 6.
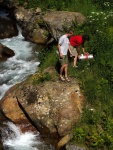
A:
x: 76, y: 40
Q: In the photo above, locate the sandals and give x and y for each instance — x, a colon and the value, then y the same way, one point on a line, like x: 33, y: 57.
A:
x: 75, y: 66
x: 62, y: 78
x: 67, y: 79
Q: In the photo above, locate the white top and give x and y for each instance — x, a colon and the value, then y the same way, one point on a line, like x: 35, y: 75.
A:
x: 64, y: 44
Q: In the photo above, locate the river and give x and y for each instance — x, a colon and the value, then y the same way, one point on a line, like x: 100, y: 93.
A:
x: 15, y: 70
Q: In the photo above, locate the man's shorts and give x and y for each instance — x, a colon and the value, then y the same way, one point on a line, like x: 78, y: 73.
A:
x: 64, y: 60
x: 73, y: 50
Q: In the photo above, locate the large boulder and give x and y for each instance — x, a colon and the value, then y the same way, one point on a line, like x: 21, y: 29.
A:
x: 7, y: 28
x: 34, y: 32
x: 15, y: 113
x: 53, y: 106
x: 23, y: 15
x: 41, y: 28
x: 33, y: 28
x: 5, y: 52
x: 58, y: 21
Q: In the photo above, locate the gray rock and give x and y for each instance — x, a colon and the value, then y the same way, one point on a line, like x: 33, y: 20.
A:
x: 59, y: 21
x: 41, y: 27
x: 5, y: 52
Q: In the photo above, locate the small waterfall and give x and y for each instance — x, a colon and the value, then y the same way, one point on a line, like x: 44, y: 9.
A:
x: 14, y: 139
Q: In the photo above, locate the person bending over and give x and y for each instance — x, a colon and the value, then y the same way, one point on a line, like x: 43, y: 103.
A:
x: 76, y: 42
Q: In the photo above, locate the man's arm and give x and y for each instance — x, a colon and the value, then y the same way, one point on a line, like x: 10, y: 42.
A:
x: 78, y: 50
x: 83, y: 49
x: 70, y: 50
x: 59, y: 49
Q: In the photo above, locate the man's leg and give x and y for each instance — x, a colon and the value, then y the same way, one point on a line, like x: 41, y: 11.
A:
x: 66, y: 73
x: 61, y: 72
x: 65, y: 70
x: 75, y: 61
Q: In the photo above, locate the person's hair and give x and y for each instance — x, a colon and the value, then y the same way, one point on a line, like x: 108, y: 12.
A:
x: 86, y: 37
x: 70, y: 32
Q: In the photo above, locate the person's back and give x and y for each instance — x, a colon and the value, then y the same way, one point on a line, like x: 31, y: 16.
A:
x: 64, y: 44
x: 76, y: 40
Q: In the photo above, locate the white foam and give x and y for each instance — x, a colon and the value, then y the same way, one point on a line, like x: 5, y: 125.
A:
x: 17, y: 140
x: 19, y: 67
x: 14, y: 139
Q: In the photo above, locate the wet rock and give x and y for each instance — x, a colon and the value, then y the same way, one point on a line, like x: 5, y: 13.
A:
x: 12, y: 110
x: 7, y: 28
x: 33, y: 28
x: 5, y: 52
x: 64, y: 141
x: 1, y: 145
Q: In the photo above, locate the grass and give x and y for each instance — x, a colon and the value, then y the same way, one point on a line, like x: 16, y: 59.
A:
x: 84, y: 7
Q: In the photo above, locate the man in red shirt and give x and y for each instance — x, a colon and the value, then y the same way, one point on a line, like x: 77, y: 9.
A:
x: 76, y: 42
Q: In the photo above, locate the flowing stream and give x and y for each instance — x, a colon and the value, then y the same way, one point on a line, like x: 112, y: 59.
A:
x: 15, y: 70
x: 14, y: 139
x: 19, y: 67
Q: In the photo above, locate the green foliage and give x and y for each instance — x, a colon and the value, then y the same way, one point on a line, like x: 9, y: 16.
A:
x: 103, y: 4
x: 96, y: 130
x: 41, y: 77
x: 72, y: 5
x: 48, y: 57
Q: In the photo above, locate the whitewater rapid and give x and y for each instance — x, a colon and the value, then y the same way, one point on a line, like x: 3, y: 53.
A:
x: 14, y: 139
x: 17, y: 68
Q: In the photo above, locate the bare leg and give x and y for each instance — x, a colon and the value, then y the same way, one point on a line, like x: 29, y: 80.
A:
x: 66, y: 73
x: 61, y: 73
x: 65, y: 70
x: 62, y: 69
x: 75, y: 61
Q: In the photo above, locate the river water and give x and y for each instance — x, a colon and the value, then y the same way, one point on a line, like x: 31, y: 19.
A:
x: 15, y: 70
x: 14, y: 139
